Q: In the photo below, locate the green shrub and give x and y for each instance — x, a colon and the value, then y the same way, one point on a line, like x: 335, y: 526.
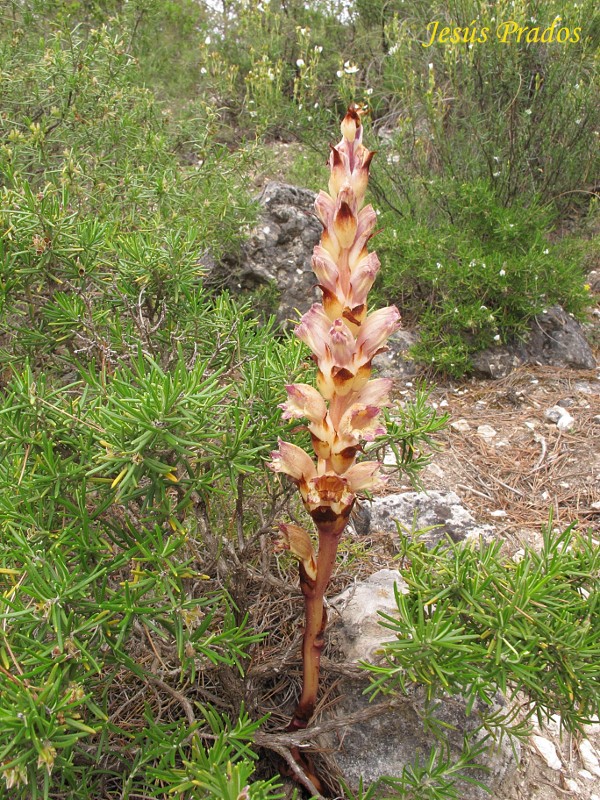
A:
x: 473, y: 623
x: 477, y: 280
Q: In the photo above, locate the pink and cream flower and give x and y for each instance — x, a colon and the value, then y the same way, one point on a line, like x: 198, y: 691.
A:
x: 345, y: 408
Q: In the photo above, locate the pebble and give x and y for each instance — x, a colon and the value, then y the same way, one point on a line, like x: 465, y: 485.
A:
x: 566, y: 402
x: 434, y: 469
x: 499, y: 512
x: 460, y: 426
x: 389, y: 459
x: 554, y: 414
x: 572, y: 786
x: 589, y: 757
x: 487, y: 432
x: 587, y: 775
x: 564, y: 421
x: 547, y: 751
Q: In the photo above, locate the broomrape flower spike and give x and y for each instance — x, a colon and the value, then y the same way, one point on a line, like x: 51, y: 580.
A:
x: 345, y: 407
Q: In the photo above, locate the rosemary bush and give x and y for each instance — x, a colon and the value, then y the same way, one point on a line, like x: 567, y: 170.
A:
x: 474, y: 623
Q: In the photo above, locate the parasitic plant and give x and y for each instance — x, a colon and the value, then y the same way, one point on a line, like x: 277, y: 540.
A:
x: 345, y: 408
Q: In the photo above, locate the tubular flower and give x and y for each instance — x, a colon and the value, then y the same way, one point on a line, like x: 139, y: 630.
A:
x: 344, y: 409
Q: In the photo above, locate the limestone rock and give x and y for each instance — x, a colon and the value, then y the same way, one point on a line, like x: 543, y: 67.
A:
x: 555, y: 339
x: 278, y: 252
x: 359, y: 608
x: 382, y: 745
x: 420, y: 510
x: 395, y: 362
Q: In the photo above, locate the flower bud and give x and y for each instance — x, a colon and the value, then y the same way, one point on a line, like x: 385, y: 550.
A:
x: 298, y: 542
x: 351, y: 124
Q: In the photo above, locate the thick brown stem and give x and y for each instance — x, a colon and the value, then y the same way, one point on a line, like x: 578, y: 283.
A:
x: 316, y: 620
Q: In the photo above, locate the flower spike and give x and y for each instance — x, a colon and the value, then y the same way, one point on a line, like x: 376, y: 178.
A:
x: 344, y: 410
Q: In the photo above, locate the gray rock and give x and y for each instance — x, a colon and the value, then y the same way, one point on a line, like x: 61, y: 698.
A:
x: 383, y: 745
x: 498, y: 362
x: 561, y: 417
x: 395, y: 363
x: 278, y: 252
x: 555, y: 339
x: 441, y: 512
x: 359, y: 607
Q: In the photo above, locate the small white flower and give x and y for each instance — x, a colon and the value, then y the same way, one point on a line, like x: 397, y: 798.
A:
x: 472, y: 263
x: 350, y: 69
x: 430, y: 65
x: 578, y: 122
x: 339, y: 73
x: 483, y: 308
x: 438, y: 265
x: 202, y: 70
x: 546, y: 251
x: 318, y: 48
x: 528, y: 112
x: 369, y: 92
x: 316, y: 105
x: 299, y: 62
x: 207, y: 40
x: 497, y: 338
x: 495, y: 174
x: 496, y: 159
x: 502, y: 273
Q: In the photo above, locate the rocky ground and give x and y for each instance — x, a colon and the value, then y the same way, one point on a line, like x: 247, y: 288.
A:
x: 512, y: 466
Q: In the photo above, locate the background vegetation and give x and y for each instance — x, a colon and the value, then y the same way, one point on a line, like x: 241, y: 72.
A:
x: 137, y: 407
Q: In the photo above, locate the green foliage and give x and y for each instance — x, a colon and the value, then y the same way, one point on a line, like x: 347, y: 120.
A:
x: 473, y: 623
x: 477, y: 279
x: 137, y: 409
x: 475, y: 136
x: 101, y: 485
x: 410, y: 435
